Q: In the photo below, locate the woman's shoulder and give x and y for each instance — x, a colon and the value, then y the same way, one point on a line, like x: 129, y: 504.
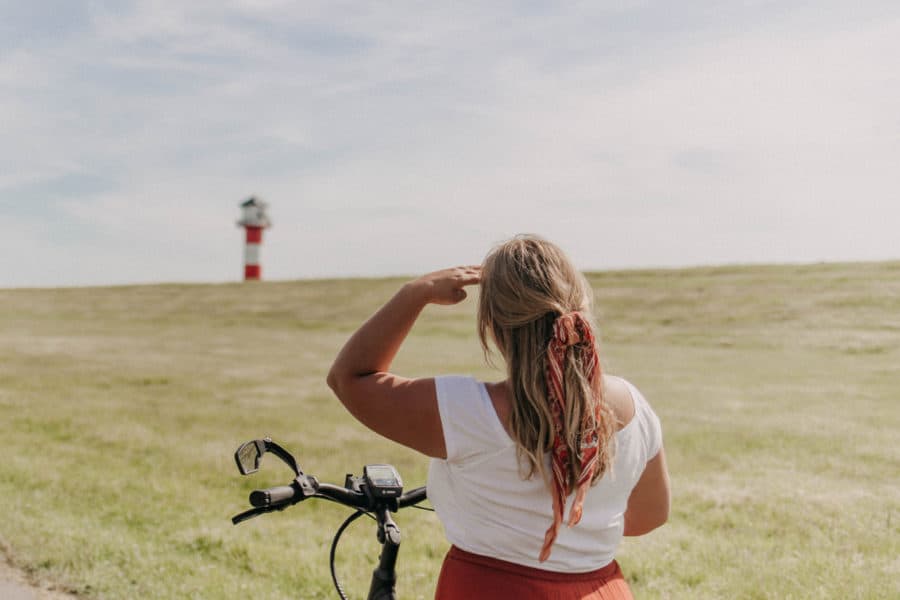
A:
x: 645, y: 421
x: 617, y: 394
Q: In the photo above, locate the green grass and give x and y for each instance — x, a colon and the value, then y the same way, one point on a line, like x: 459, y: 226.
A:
x: 778, y: 388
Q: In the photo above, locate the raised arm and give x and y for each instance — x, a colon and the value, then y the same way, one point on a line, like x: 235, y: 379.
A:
x: 401, y: 409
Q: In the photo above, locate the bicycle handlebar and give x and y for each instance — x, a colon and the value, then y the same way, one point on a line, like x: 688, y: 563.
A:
x: 355, y: 494
x: 361, y: 501
x: 343, y: 495
x: 412, y: 497
x: 284, y: 495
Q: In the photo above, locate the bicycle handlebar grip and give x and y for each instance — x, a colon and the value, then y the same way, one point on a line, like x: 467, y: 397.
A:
x: 272, y: 496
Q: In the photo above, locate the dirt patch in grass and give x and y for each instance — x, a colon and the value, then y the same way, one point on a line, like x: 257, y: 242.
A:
x: 16, y: 585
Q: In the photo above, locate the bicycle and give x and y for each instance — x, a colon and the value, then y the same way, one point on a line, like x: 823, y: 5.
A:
x: 377, y: 493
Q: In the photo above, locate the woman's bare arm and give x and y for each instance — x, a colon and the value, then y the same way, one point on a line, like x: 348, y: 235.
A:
x: 648, y: 505
x: 401, y: 409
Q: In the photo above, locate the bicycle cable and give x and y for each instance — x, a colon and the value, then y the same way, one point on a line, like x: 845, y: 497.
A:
x: 334, y: 543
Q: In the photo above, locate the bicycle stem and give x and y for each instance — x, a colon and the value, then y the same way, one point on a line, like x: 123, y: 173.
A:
x: 384, y: 577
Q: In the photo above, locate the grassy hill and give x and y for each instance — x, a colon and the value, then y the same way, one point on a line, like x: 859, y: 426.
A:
x: 778, y: 388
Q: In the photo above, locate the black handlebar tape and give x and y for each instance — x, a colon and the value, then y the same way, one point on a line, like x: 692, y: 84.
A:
x: 272, y: 496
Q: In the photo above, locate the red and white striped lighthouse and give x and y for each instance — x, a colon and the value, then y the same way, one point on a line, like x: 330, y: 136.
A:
x: 254, y: 220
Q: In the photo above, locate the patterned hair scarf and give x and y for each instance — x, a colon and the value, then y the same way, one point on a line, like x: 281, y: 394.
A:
x: 571, y: 330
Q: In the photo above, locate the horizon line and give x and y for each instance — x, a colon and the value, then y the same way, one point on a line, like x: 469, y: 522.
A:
x: 587, y: 272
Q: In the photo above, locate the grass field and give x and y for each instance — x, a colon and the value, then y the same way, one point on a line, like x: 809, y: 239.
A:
x: 778, y: 389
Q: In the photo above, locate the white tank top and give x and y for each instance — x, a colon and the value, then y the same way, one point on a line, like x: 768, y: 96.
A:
x: 487, y: 508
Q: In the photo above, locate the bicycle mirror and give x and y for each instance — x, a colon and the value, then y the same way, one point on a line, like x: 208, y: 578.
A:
x: 248, y: 455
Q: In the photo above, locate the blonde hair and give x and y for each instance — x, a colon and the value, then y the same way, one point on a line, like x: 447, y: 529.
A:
x: 527, y: 283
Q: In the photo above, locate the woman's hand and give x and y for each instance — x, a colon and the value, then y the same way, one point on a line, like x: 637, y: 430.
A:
x: 446, y: 286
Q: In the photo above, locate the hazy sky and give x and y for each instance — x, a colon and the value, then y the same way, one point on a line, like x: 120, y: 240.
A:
x: 400, y: 137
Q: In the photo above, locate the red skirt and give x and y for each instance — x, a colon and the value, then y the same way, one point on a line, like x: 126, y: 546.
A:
x: 467, y: 576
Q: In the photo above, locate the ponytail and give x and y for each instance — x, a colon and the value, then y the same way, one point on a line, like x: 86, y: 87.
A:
x: 535, y: 306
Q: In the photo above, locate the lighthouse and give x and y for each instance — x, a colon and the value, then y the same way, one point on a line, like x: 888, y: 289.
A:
x: 253, y: 220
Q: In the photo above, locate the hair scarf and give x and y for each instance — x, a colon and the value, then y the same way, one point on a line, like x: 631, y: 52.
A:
x: 571, y: 330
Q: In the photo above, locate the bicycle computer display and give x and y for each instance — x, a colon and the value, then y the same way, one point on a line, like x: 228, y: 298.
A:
x: 382, y: 481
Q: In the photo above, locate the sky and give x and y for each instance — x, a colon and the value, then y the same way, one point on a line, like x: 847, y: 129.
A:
x: 397, y: 138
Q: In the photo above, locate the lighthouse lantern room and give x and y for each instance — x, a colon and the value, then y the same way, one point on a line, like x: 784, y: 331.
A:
x: 254, y: 219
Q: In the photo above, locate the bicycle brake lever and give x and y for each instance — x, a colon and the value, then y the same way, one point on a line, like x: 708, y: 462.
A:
x: 248, y: 514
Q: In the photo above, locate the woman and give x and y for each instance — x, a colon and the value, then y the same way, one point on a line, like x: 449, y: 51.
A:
x: 555, y: 442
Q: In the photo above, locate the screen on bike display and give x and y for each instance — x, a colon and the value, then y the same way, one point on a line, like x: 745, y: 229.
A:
x: 382, y: 475
x: 383, y: 480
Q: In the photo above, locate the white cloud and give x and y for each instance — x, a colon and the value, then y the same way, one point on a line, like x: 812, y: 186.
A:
x: 396, y: 138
